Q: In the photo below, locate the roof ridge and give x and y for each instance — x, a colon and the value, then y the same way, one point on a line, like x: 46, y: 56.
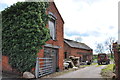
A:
x: 76, y: 44
x: 74, y: 41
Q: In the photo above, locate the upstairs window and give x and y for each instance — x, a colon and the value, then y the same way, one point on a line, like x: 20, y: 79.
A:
x: 52, y: 26
x: 52, y: 29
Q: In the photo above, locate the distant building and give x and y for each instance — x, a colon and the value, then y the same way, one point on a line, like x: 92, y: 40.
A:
x: 77, y: 49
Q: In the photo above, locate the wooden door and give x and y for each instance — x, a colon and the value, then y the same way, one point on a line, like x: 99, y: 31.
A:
x: 52, y: 53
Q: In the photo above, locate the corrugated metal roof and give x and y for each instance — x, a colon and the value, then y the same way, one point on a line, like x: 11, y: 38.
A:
x: 76, y: 44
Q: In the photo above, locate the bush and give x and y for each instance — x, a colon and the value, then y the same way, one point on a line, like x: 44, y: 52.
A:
x: 24, y: 32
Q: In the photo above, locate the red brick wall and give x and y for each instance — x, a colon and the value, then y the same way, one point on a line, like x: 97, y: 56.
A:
x: 67, y: 49
x: 117, y: 60
x: 59, y: 35
x: 73, y: 51
x: 5, y: 64
x: 59, y: 42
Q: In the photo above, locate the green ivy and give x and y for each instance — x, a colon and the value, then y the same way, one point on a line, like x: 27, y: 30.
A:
x: 24, y: 33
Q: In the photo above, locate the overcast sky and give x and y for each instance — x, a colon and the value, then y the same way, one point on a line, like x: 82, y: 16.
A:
x: 92, y: 20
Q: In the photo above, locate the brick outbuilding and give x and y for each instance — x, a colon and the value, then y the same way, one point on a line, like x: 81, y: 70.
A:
x: 77, y: 49
x: 55, y: 46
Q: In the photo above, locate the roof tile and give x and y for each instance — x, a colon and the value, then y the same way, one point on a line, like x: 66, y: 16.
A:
x: 76, y: 44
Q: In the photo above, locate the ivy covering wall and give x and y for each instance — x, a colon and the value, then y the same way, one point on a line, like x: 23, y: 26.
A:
x: 23, y: 33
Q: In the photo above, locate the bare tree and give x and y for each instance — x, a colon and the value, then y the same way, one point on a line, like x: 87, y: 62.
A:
x: 78, y: 39
x: 99, y: 48
x: 108, y: 44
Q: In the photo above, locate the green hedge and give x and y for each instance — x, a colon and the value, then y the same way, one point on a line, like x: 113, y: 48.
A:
x: 24, y: 32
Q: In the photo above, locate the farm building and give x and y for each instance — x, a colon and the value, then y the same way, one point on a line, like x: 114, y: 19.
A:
x: 55, y: 46
x: 77, y: 49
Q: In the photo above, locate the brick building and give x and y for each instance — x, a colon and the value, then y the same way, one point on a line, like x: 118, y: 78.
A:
x: 117, y: 60
x: 53, y: 47
x: 77, y: 49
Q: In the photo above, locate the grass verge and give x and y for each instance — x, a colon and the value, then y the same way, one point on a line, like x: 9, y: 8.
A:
x: 98, y: 65
x: 107, y: 72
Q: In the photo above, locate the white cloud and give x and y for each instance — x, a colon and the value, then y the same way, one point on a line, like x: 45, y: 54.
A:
x: 85, y: 16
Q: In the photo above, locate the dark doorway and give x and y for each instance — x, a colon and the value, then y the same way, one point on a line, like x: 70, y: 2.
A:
x: 65, y: 55
x: 84, y: 58
x: 52, y: 53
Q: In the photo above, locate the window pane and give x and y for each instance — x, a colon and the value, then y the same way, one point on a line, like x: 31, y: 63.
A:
x: 52, y: 28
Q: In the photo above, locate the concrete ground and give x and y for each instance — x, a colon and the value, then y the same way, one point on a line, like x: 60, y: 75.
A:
x: 87, y: 72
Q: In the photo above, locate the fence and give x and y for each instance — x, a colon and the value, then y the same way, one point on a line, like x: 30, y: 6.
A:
x: 44, y: 66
